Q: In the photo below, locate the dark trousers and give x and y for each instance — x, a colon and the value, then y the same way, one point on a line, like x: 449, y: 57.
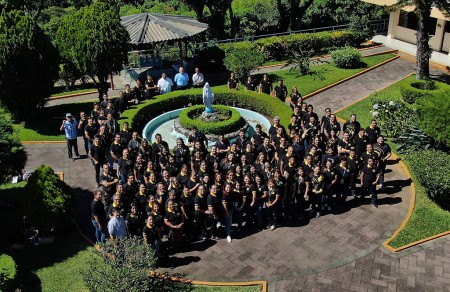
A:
x: 72, y: 143
x: 97, y: 168
x: 370, y: 190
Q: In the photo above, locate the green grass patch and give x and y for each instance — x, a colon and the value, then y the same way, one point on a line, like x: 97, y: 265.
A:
x: 428, y: 218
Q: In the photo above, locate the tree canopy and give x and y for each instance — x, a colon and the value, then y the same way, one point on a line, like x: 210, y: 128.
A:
x: 94, y: 41
x: 29, y: 64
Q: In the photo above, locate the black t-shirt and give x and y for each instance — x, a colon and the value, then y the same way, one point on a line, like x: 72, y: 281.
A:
x: 250, y: 85
x: 344, y: 174
x: 134, y: 225
x: 216, y: 203
x: 201, y: 202
x: 360, y: 144
x: 188, y: 204
x: 272, y: 194
x: 173, y: 217
x: 352, y: 128
x: 91, y: 130
x: 372, y: 134
x: 228, y: 199
x: 269, y: 150
x: 260, y: 189
x: 116, y: 149
x: 151, y: 234
x: 258, y: 139
x: 98, y: 209
x: 266, y: 86
x: 348, y: 145
x: 329, y: 126
x: 295, y: 98
x: 232, y: 83
x: 125, y: 166
x: 108, y: 178
x: 370, y: 175
x: 98, y: 153
x: 280, y: 92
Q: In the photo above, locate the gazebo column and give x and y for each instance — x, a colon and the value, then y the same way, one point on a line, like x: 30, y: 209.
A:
x: 180, y: 45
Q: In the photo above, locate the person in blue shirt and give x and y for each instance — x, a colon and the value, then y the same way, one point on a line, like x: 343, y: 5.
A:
x: 181, y: 79
x: 69, y: 126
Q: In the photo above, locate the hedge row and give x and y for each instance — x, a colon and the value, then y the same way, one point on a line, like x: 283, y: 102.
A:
x: 415, y: 89
x: 232, y: 124
x: 432, y: 169
x: 264, y: 104
x: 281, y: 47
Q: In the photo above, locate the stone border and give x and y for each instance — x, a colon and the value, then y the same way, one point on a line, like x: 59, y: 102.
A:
x: 55, y: 97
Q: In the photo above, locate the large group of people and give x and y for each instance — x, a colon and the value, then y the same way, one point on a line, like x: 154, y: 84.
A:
x: 195, y: 192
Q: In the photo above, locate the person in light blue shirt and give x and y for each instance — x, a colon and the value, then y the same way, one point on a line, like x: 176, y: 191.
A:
x: 69, y: 126
x: 117, y: 227
x: 181, y: 79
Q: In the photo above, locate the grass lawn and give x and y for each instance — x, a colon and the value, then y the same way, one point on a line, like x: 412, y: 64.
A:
x: 428, y: 218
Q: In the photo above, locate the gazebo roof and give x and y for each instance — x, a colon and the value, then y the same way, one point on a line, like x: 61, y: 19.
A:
x: 147, y: 28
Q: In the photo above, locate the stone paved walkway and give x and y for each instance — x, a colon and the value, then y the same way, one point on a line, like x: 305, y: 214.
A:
x: 331, y: 253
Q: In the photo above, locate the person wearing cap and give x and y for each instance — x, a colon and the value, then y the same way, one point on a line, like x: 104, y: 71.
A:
x: 69, y: 126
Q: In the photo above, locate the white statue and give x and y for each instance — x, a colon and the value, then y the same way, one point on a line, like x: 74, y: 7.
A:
x: 208, y: 98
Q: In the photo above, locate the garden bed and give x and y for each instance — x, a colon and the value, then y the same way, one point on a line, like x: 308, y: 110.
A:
x: 428, y: 218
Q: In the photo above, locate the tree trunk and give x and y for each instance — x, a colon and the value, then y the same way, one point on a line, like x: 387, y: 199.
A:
x: 423, y: 48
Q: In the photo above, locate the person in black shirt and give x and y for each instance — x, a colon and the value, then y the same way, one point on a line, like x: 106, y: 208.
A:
x: 331, y: 125
x: 157, y: 147
x: 384, y: 152
x: 259, y: 197
x: 296, y: 98
x: 250, y: 84
x: 281, y: 91
x: 151, y: 235
x: 98, y: 217
x: 258, y: 136
x: 174, y: 220
x: 302, y: 187
x: 311, y: 130
x: 181, y: 152
x: 115, y: 151
x: 360, y: 142
x: 268, y: 149
x: 345, y: 145
x: 125, y: 166
x: 352, y: 126
x: 370, y: 177
x: 98, y: 156
x: 134, y: 222
x: 109, y: 183
x: 215, y: 208
x: 120, y: 104
x: 265, y: 85
x: 125, y: 134
x: 345, y: 180
x: 233, y: 83
x: 138, y: 91
x: 372, y: 132
x: 150, y: 88
x: 89, y: 132
x: 197, y: 136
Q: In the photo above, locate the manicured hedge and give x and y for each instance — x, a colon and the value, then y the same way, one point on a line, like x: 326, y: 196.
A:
x: 412, y: 91
x: 8, y: 271
x: 433, y: 112
x: 232, y: 124
x: 432, y: 169
x: 281, y: 47
x: 264, y: 104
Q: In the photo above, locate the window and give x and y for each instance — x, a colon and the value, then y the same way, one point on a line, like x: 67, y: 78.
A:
x: 409, y: 20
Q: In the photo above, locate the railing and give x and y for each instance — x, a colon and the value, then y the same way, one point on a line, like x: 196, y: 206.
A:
x: 376, y: 25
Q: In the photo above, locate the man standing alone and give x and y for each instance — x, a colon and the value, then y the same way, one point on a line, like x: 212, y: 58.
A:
x: 69, y: 126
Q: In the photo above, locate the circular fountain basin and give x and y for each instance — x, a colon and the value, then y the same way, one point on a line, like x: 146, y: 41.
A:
x: 164, y: 125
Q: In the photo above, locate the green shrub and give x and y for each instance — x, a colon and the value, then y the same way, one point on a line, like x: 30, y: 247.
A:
x: 433, y: 112
x: 8, y: 271
x: 432, y: 169
x: 242, y: 61
x: 413, y: 90
x: 187, y: 120
x: 346, y: 58
x: 48, y: 201
x: 264, y: 104
x: 12, y: 153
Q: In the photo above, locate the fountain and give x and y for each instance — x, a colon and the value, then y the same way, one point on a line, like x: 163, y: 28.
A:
x: 169, y: 126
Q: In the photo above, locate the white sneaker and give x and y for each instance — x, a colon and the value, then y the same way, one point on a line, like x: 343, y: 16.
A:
x: 272, y: 227
x: 229, y: 238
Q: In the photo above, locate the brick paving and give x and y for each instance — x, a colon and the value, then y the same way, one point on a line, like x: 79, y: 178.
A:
x: 336, y: 252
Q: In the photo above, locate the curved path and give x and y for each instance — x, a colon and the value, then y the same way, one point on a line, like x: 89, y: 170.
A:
x: 334, y: 252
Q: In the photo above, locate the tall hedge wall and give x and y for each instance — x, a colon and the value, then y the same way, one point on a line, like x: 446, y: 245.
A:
x: 264, y: 104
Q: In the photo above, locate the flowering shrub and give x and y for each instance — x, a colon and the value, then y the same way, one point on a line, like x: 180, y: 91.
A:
x: 393, y: 117
x: 346, y: 57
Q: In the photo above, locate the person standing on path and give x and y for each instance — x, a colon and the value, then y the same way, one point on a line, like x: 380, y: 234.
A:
x: 98, y: 217
x: 69, y: 126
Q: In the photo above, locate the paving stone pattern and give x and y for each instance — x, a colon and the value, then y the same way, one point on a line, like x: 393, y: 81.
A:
x: 336, y: 252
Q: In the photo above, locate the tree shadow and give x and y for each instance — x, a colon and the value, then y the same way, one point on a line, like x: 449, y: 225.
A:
x: 175, y: 261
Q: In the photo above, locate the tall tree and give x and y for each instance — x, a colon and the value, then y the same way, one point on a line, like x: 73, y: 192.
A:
x: 94, y: 41
x: 198, y: 6
x: 218, y: 10
x: 297, y: 11
x: 29, y: 64
x: 422, y: 11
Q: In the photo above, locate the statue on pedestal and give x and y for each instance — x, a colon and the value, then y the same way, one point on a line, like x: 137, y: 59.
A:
x: 208, y: 98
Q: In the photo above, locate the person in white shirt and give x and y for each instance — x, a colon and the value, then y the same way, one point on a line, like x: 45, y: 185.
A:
x: 165, y: 84
x: 197, y: 79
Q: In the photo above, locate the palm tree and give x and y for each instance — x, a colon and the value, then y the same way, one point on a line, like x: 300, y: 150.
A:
x: 422, y: 11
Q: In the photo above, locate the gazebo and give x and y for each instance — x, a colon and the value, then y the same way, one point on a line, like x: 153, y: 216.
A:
x: 152, y: 28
